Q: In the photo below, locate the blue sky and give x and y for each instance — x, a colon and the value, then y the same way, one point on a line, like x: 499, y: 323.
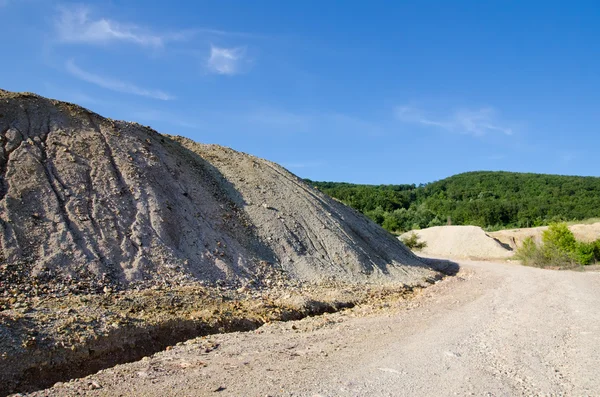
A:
x: 367, y: 92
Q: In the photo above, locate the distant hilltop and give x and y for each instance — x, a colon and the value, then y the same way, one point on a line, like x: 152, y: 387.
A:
x: 490, y: 199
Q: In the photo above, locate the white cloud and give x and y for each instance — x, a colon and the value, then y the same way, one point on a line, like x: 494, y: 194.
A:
x: 114, y: 84
x: 476, y: 122
x: 411, y: 114
x: 479, y: 122
x: 226, y: 61
x: 228, y: 33
x: 74, y: 24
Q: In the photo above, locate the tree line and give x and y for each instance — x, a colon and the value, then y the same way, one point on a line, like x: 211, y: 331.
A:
x: 492, y: 200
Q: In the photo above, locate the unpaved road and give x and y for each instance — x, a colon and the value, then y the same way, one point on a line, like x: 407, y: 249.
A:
x: 495, y: 329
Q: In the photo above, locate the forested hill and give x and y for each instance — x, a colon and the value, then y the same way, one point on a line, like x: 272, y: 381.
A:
x: 487, y: 199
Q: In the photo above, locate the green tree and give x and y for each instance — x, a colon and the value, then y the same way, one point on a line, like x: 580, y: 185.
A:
x: 488, y: 199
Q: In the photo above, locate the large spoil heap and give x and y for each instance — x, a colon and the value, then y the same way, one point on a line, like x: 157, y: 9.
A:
x: 88, y: 203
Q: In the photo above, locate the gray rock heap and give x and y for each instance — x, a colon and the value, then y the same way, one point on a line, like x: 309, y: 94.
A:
x: 93, y: 203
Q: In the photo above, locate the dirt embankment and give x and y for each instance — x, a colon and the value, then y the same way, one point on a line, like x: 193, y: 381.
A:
x: 497, y: 329
x: 51, y: 340
x: 472, y: 242
x: 515, y: 237
x: 462, y: 242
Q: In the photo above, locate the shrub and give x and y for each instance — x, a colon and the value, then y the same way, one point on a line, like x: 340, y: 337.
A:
x: 436, y: 222
x: 529, y: 253
x: 585, y: 253
x: 597, y: 249
x: 377, y: 215
x: 412, y: 242
x: 559, y: 236
x: 559, y: 248
x: 552, y: 256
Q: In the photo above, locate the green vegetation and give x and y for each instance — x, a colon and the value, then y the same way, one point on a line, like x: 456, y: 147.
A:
x: 558, y: 249
x: 492, y: 200
x: 412, y: 241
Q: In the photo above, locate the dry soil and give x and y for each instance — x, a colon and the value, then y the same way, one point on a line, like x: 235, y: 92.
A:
x: 496, y: 329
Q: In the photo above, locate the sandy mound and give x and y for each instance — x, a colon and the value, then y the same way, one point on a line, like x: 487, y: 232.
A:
x: 460, y: 242
x: 88, y: 202
x: 515, y: 237
x: 586, y: 233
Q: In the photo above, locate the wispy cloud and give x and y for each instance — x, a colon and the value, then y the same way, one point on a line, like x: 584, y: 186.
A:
x: 226, y: 61
x: 476, y: 122
x: 410, y: 114
x: 114, y: 84
x: 229, y: 33
x: 74, y: 24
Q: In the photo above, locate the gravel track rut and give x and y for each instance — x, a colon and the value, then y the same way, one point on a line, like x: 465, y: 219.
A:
x: 494, y: 329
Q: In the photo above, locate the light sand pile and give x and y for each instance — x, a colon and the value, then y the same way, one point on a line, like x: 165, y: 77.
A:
x: 515, y: 237
x: 460, y: 242
x: 586, y: 232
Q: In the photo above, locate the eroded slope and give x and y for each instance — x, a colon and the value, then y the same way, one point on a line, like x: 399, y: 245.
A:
x: 88, y: 203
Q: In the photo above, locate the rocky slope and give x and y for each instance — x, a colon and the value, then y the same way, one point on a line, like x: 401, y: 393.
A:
x: 117, y: 241
x: 88, y: 203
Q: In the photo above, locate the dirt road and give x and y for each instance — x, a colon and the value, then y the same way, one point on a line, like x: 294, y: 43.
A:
x: 493, y: 330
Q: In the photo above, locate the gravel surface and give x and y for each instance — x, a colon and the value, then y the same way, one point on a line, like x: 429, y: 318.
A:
x: 495, y: 329
x: 59, y: 339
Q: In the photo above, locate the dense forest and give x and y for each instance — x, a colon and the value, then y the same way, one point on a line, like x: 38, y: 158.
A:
x: 492, y: 200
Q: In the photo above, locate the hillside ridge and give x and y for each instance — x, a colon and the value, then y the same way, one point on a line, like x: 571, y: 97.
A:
x: 490, y: 199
